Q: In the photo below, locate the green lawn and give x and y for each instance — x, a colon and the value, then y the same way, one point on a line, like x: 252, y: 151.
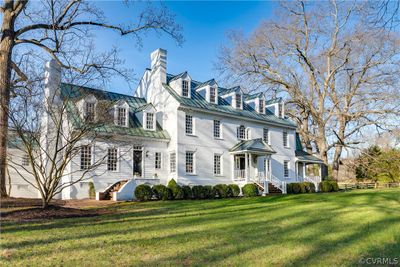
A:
x: 311, y: 229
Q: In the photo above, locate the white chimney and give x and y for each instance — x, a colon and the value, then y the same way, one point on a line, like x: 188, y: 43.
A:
x: 159, y: 65
x: 52, y: 81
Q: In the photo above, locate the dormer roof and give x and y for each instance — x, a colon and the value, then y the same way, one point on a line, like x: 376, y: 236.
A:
x: 248, y: 97
x: 224, y: 91
x: 209, y: 82
x: 274, y: 101
x: 179, y: 76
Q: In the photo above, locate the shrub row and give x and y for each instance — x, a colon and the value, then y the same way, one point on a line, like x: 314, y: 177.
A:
x: 328, y: 186
x: 174, y: 191
x: 300, y: 188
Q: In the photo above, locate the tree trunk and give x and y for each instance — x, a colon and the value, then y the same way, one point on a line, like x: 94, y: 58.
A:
x: 6, y: 46
x: 336, y: 162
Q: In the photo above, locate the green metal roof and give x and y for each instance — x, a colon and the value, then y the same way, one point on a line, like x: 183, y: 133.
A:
x: 197, y: 101
x: 253, y: 96
x: 303, y: 155
x: 74, y: 93
x: 209, y: 82
x: 254, y: 145
x: 273, y: 101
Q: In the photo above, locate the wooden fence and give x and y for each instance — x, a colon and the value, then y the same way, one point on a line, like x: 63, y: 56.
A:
x: 364, y: 185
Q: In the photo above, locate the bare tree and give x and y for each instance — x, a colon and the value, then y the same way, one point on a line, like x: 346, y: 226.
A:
x: 340, y: 76
x: 62, y: 29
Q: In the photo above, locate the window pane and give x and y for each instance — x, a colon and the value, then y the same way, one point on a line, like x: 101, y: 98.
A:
x: 158, y: 160
x: 238, y: 99
x: 241, y: 132
x: 261, y: 106
x: 86, y: 157
x: 89, y: 112
x: 121, y: 117
x: 149, y: 121
x: 185, y: 88
x: 172, y: 162
x: 189, y: 162
x: 217, y: 164
x: 189, y: 124
x: 286, y: 168
x: 285, y: 139
x: 212, y: 94
x: 266, y: 135
x: 112, y: 159
x: 217, y: 129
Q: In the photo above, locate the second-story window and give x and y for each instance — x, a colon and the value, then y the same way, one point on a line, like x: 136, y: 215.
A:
x: 285, y: 139
x: 89, y: 112
x: 157, y: 161
x: 217, y: 129
x: 121, y: 116
x: 172, y: 162
x: 185, y: 88
x: 25, y: 160
x: 150, y: 121
x: 241, y: 132
x: 212, y: 94
x: 238, y: 99
x: 266, y: 135
x: 189, y: 124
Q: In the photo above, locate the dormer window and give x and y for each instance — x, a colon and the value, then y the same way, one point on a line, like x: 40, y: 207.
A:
x: 280, y: 110
x: 150, y: 122
x: 89, y: 111
x: 261, y: 106
x: 212, y: 94
x: 238, y: 100
x: 185, y: 88
x: 121, y: 116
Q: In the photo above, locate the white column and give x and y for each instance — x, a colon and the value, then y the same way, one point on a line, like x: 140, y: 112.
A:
x: 304, y: 170
x: 246, y: 155
x: 233, y: 167
x: 320, y: 172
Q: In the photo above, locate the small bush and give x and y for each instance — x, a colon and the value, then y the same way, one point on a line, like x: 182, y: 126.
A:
x: 328, y: 186
x: 335, y: 186
x: 310, y: 187
x: 303, y: 188
x: 250, y: 190
x: 92, y: 190
x: 209, y: 192
x: 161, y: 192
x: 143, y: 192
x: 234, y: 189
x: 223, y: 191
x: 198, y: 192
x: 177, y: 192
x: 187, y: 192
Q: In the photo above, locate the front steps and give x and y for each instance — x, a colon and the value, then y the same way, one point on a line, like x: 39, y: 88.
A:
x: 272, y: 190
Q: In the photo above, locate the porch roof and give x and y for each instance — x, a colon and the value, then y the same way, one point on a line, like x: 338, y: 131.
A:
x: 303, y: 156
x: 254, y: 145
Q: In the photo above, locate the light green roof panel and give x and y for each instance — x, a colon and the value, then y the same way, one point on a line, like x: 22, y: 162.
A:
x: 254, y: 145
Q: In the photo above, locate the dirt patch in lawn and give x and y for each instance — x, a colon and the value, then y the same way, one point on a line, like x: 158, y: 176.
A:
x: 28, y: 209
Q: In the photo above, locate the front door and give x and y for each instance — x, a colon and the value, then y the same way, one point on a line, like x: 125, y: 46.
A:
x: 240, y: 163
x: 137, y: 162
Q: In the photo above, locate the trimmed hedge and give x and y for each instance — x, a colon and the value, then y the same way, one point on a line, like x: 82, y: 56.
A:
x: 198, y: 192
x: 222, y: 191
x: 300, y: 188
x: 209, y: 192
x: 250, y: 190
x: 161, y: 192
x: 187, y: 192
x: 143, y: 192
x: 234, y: 189
x: 328, y: 186
x: 177, y: 192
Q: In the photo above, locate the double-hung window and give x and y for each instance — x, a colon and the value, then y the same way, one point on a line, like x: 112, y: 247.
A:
x: 172, y: 162
x: 285, y: 139
x: 189, y: 124
x: 86, y: 157
x: 89, y: 112
x: 238, y: 99
x: 241, y: 132
x: 286, y: 168
x: 121, y: 116
x: 261, y: 106
x: 25, y: 160
x: 217, y: 129
x: 189, y: 162
x: 217, y: 164
x: 212, y: 94
x: 157, y: 163
x: 185, y: 88
x: 150, y: 121
x: 112, y: 159
x: 266, y: 135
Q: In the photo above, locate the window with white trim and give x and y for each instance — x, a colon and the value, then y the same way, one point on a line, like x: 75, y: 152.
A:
x: 112, y: 159
x: 217, y: 129
x: 86, y: 157
x: 172, y: 162
x: 241, y: 132
x: 217, y: 164
x: 121, y: 116
x: 150, y: 125
x: 25, y: 160
x: 285, y: 137
x: 212, y: 94
x: 189, y: 162
x: 189, y: 124
x: 286, y: 168
x: 261, y: 106
x: 157, y: 161
x: 280, y: 110
x: 89, y: 112
x: 238, y: 99
x: 266, y: 135
x: 185, y: 88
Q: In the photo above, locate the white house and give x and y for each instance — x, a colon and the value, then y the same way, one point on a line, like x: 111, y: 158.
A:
x: 178, y: 128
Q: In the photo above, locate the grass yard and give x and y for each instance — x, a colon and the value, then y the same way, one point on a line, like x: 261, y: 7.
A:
x: 311, y: 229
